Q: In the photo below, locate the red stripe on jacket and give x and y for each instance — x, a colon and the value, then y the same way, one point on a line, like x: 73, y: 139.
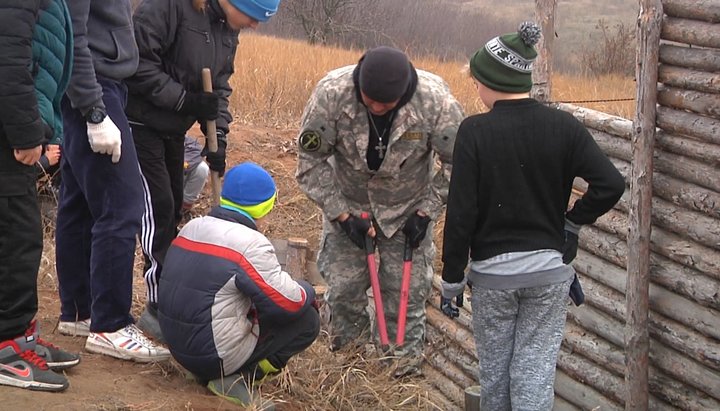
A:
x: 237, y: 258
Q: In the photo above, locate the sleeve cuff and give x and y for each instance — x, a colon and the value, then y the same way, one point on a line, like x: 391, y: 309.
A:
x: 452, y: 290
x: 572, y: 227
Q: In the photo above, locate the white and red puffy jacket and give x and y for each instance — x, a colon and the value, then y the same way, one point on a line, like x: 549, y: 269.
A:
x: 221, y: 282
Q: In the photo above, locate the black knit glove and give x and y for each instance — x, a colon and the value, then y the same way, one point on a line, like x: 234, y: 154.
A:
x: 415, y: 229
x: 356, y: 229
x: 576, y: 292
x: 204, y: 106
x: 216, y: 160
x: 570, y: 247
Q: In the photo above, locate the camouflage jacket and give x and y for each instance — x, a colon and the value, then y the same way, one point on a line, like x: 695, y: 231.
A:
x: 332, y: 147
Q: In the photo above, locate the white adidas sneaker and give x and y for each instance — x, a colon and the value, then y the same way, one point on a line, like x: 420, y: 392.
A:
x: 127, y: 343
x: 75, y: 328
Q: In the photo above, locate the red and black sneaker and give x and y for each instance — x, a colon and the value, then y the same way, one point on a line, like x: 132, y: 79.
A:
x: 55, y: 358
x: 25, y: 369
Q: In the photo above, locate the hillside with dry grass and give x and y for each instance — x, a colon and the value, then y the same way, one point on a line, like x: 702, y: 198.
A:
x: 273, y: 81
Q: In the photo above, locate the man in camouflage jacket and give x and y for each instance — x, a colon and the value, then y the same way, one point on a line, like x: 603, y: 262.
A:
x: 368, y: 142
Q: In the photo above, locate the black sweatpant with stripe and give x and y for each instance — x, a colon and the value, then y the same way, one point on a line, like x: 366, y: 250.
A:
x: 161, y: 158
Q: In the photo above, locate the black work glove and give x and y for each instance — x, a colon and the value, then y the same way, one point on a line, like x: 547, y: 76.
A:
x: 446, y: 306
x: 576, y: 293
x: 204, y: 106
x: 356, y: 228
x: 415, y: 229
x: 570, y: 247
x: 216, y: 160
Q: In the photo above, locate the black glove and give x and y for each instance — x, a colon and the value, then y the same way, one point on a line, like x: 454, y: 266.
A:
x: 356, y: 229
x: 204, y: 106
x: 415, y: 229
x: 570, y: 247
x: 576, y: 293
x: 447, y: 308
x: 216, y: 160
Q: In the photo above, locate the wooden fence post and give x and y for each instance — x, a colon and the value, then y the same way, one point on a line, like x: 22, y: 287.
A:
x: 637, y: 340
x: 296, y: 258
x: 542, y: 72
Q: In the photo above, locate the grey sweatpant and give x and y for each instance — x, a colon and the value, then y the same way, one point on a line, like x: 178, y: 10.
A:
x: 518, y: 334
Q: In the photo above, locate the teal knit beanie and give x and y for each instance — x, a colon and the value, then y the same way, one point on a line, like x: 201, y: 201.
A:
x: 505, y: 63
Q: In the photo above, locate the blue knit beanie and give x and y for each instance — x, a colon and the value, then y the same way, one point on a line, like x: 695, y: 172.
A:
x: 249, y: 188
x: 260, y: 10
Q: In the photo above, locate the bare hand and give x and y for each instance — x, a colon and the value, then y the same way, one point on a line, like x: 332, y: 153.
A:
x: 28, y: 156
x: 52, y: 152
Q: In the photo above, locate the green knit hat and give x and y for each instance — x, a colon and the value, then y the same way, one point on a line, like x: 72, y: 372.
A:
x: 505, y: 63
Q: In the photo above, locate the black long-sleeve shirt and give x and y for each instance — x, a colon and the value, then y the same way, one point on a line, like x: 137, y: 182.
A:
x: 513, y: 170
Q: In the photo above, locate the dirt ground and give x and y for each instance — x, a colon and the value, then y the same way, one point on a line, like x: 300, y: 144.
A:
x: 103, y: 383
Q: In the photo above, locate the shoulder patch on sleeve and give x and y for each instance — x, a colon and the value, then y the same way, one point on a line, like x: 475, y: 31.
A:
x: 317, y: 136
x: 310, y: 140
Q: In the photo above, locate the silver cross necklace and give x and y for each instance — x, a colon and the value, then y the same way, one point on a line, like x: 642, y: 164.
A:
x: 380, y: 147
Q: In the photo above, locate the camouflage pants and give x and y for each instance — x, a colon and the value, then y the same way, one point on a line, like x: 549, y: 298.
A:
x: 344, y: 267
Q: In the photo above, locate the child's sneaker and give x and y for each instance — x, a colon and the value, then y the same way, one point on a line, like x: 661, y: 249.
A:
x: 127, y: 343
x: 233, y: 388
x: 75, y: 328
x: 25, y: 369
x: 55, y: 358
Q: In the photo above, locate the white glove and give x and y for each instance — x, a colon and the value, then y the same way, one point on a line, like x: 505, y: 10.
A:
x: 105, y: 138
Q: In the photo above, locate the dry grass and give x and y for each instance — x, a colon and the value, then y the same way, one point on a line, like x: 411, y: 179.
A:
x: 275, y: 77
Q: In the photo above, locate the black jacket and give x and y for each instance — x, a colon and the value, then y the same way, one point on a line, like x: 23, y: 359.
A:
x: 513, y: 170
x: 176, y: 42
x: 20, y: 124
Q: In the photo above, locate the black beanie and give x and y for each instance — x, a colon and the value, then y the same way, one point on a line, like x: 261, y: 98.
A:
x: 385, y: 74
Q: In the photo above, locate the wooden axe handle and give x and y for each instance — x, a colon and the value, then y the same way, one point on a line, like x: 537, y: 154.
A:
x: 211, y: 136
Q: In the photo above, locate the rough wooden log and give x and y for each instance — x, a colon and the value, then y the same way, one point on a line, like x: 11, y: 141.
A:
x: 682, y: 280
x: 690, y: 57
x: 545, y: 12
x: 705, y: 10
x: 466, y: 362
x: 696, y: 226
x: 687, y: 195
x: 689, y: 79
x: 296, y: 260
x: 696, y: 33
x: 663, y: 302
x: 598, y: 350
x: 705, y: 350
x: 582, y: 370
x: 598, y: 120
x: 690, y: 124
x: 672, y: 246
x: 449, y: 368
x: 451, y: 393
x: 679, y: 192
x: 699, y: 227
x: 581, y: 395
x: 561, y: 404
x: 667, y: 360
x: 701, y: 103
x: 674, y: 165
x: 688, y: 147
x: 451, y: 329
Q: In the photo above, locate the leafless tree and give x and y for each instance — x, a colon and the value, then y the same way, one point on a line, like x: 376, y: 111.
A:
x: 610, y: 51
x: 326, y: 21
